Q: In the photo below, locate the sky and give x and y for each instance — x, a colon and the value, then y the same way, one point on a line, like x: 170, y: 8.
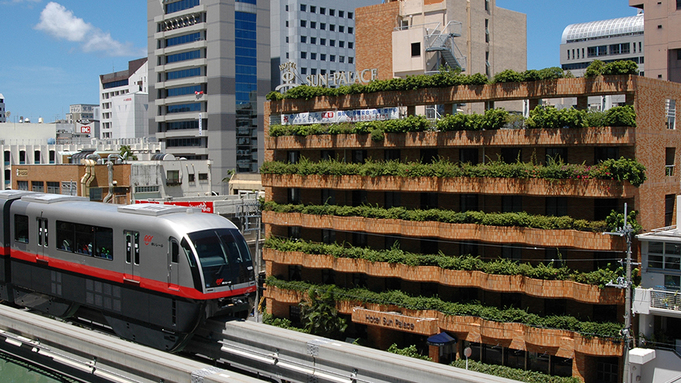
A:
x: 54, y: 51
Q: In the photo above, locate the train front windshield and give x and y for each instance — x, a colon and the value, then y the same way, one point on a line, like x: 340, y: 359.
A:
x: 224, y: 256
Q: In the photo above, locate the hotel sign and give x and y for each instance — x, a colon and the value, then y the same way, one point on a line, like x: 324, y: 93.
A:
x: 394, y: 321
x: 338, y: 116
x: 289, y: 77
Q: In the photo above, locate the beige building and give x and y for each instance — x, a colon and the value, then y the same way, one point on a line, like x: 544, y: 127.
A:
x: 410, y: 37
x: 424, y: 35
x: 662, y: 31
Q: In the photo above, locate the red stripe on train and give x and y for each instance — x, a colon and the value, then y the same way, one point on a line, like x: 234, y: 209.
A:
x: 144, y: 283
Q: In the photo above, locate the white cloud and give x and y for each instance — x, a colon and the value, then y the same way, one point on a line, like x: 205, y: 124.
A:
x: 61, y: 23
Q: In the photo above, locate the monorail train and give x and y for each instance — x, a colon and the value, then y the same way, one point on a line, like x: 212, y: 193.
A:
x: 153, y: 273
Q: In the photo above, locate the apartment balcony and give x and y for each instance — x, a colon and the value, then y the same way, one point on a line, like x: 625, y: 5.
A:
x: 657, y: 302
x: 618, y: 136
x: 540, y: 288
x: 594, y: 188
x: 473, y: 329
x: 592, y: 241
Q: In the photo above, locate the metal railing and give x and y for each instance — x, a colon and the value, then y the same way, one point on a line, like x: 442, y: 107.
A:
x: 668, y: 300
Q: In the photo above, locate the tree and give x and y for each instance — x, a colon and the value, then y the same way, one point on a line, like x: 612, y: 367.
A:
x: 319, y: 314
x: 127, y: 153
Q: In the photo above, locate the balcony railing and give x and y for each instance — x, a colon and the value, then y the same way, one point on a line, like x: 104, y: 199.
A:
x: 668, y: 300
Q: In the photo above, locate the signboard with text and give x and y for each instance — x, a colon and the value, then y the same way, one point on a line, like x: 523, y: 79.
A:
x: 338, y: 116
x: 205, y: 206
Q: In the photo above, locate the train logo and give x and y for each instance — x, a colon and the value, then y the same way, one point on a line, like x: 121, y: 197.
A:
x: 147, y: 239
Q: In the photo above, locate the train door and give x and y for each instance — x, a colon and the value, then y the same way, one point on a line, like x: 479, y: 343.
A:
x: 42, y: 240
x: 173, y: 264
x: 132, y: 256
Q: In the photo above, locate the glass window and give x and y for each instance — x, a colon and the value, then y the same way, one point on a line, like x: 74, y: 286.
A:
x: 350, y: 15
x: 350, y: 30
x: 313, y: 9
x: 303, y: 7
x: 322, y: 26
x: 332, y: 12
x: 322, y: 11
x: 21, y: 228
x: 303, y: 23
x: 341, y: 14
x: 224, y: 256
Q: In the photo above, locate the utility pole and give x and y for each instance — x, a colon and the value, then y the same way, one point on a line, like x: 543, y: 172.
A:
x: 625, y: 231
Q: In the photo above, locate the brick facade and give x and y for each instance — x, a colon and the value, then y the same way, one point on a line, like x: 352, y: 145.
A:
x: 647, y: 143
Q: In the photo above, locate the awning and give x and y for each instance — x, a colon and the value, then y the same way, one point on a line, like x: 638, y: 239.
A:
x: 441, y: 339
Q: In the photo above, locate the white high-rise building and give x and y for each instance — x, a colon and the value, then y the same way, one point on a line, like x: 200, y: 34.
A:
x: 124, y: 102
x: 318, y: 37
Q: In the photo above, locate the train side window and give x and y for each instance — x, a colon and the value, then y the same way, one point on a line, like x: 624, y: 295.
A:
x: 65, y: 236
x: 21, y: 228
x: 103, y: 243
x: 137, y: 248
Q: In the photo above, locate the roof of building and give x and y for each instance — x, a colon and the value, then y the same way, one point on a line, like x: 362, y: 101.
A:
x: 603, y: 28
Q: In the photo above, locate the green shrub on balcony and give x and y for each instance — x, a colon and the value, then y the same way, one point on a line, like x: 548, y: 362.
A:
x: 521, y: 219
x: 541, y: 117
x: 460, y: 262
x: 622, y: 169
x: 474, y: 309
x: 513, y: 373
x: 449, y: 78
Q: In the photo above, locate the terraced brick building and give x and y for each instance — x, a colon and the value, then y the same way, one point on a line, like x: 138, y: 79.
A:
x: 396, y: 275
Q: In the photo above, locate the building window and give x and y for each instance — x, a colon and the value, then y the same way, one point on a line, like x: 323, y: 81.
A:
x: 511, y: 252
x: 53, y: 187
x: 468, y: 202
x: 350, y: 15
x: 351, y: 60
x: 670, y: 154
x: 322, y: 41
x: 351, y: 45
x: 313, y: 40
x: 303, y: 23
x: 486, y: 30
x: 332, y: 58
x: 328, y: 196
x: 313, y: 56
x: 620, y: 49
x: 322, y: 56
x: 332, y: 12
x: 313, y: 9
x: 191, y: 177
x: 303, y: 7
x: 303, y: 39
x: 678, y: 4
x: 37, y: 186
x: 313, y: 24
x: 22, y: 157
x: 556, y: 206
x: 332, y: 43
x: 664, y: 255
x: 511, y: 204
x: 341, y: 29
x: 293, y: 195
x: 341, y: 13
x: 22, y: 185
x: 605, y: 153
x: 303, y: 55
x: 328, y: 236
x: 607, y: 370
x: 415, y: 49
x: 303, y: 70
x: 203, y: 177
x: 322, y: 11
x: 332, y: 27
x: 670, y: 110
x: 341, y: 59
x: 601, y: 50
x: 322, y: 26
x: 669, y: 200
x: 36, y: 157
x: 487, y: 5
x: 341, y: 44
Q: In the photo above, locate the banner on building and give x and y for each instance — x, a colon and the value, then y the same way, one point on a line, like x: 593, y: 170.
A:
x: 338, y: 116
x: 205, y: 206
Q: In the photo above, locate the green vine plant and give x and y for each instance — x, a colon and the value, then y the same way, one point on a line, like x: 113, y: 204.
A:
x: 541, y: 117
x: 622, y: 169
x: 395, y: 255
x: 448, y: 78
x: 399, y: 299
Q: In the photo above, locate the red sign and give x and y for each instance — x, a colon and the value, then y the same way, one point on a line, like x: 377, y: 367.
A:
x: 205, y: 206
x: 85, y: 129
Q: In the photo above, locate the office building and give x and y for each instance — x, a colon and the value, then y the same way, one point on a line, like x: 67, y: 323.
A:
x: 662, y: 27
x: 401, y: 317
x: 605, y: 40
x: 124, y: 102
x: 209, y: 73
x: 315, y: 37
